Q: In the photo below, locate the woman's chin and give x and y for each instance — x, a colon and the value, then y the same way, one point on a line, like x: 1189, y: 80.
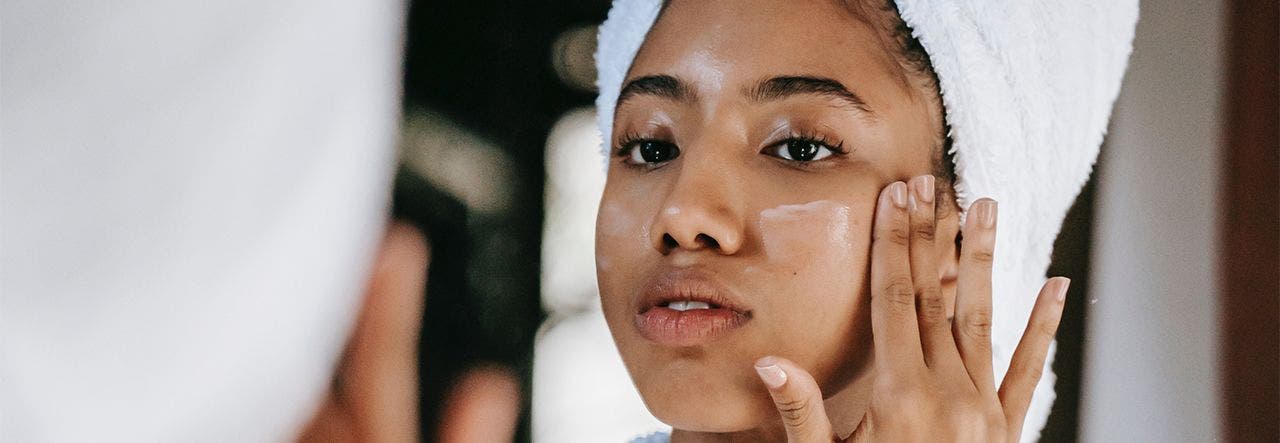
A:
x: 716, y: 410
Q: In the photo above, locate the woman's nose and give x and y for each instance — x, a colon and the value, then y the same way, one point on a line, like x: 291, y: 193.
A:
x: 700, y: 212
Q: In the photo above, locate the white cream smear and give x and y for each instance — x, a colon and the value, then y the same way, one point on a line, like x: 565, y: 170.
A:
x: 618, y: 226
x: 789, y: 231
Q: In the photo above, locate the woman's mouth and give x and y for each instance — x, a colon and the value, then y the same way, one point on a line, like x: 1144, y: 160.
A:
x: 689, y: 305
x: 686, y: 308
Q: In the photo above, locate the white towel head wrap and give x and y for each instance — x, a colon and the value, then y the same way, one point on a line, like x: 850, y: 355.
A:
x: 1027, y: 89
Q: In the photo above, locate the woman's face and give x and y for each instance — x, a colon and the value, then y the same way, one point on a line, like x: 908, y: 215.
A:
x: 750, y: 143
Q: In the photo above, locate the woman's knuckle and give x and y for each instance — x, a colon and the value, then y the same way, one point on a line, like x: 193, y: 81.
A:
x: 885, y: 385
x: 898, y: 291
x: 898, y: 235
x: 925, y: 231
x: 982, y: 256
x: 932, y: 305
x: 794, y: 412
x: 894, y: 386
x: 976, y: 324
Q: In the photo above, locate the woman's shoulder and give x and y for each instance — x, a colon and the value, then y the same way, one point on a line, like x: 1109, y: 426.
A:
x: 656, y: 437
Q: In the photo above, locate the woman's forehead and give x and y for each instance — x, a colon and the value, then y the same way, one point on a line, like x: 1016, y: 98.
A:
x: 717, y: 47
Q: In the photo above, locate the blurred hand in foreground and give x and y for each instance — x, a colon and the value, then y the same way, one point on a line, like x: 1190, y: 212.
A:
x: 374, y: 395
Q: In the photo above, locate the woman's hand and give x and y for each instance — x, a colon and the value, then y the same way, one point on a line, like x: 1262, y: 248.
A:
x: 933, y: 377
x: 374, y: 395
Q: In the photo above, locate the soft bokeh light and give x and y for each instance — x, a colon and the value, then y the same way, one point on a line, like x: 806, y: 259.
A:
x: 458, y: 161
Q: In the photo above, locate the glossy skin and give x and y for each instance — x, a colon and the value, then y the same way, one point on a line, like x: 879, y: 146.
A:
x: 788, y: 241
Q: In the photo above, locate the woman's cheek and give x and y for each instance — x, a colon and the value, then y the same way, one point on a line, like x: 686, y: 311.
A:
x: 807, y: 239
x: 809, y: 252
x: 618, y: 230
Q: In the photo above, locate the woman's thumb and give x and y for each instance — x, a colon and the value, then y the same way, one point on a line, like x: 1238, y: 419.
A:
x: 798, y: 399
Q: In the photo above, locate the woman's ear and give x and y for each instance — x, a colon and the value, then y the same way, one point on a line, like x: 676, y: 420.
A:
x: 948, y: 252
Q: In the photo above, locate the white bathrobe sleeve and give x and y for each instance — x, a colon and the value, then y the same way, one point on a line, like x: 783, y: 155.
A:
x: 190, y: 194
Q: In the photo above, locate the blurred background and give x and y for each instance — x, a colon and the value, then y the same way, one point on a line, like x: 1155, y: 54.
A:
x: 1172, y: 335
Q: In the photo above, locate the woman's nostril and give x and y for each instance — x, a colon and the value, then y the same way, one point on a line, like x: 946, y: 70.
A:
x: 669, y: 242
x: 707, y: 241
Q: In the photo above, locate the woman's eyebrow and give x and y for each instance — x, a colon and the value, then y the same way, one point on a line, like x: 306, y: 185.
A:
x: 664, y: 86
x: 781, y: 87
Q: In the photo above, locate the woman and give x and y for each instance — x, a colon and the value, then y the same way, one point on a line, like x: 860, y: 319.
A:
x: 780, y: 245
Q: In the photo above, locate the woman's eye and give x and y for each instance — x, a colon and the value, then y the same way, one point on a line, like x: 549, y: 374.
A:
x: 652, y: 151
x: 801, y: 150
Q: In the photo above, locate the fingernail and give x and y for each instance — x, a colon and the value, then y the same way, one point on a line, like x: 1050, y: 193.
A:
x: 924, y: 188
x: 770, y: 373
x: 1063, y: 284
x: 985, y: 210
x: 898, y: 192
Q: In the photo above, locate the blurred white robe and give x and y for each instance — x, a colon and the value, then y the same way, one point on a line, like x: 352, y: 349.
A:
x: 190, y: 194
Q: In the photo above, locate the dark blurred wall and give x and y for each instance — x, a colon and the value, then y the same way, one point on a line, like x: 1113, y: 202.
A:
x: 486, y: 65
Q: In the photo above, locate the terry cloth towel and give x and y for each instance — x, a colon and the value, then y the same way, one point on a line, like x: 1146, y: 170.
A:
x: 1027, y: 89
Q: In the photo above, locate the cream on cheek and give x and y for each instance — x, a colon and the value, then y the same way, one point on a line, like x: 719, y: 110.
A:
x: 618, y: 227
x: 795, y: 237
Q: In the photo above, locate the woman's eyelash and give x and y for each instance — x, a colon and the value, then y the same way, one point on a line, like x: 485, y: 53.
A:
x: 837, y: 147
x: 645, y: 152
x: 620, y: 149
x: 628, y: 141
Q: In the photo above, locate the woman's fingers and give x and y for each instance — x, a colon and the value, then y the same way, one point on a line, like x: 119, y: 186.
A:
x: 380, y: 376
x: 1028, y: 359
x: 931, y: 308
x: 894, y: 330
x: 798, y: 399
x: 374, y: 394
x: 972, y: 325
x: 483, y: 405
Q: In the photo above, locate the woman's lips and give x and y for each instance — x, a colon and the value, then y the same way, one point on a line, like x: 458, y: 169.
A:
x: 686, y: 308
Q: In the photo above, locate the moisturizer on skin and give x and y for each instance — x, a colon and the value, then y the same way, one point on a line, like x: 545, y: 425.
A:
x: 789, y: 233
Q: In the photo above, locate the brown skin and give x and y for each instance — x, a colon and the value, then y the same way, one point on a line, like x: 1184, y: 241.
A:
x: 792, y: 241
